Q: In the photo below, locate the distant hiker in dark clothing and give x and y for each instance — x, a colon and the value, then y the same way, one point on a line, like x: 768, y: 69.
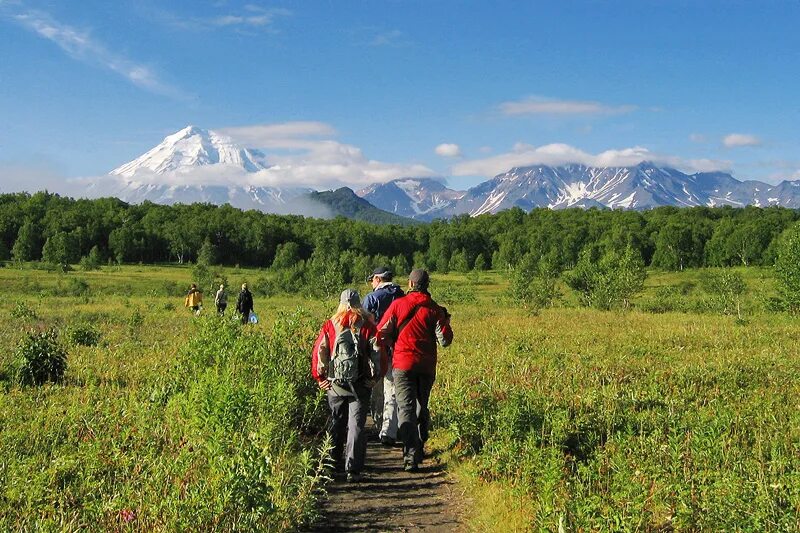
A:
x: 244, y: 304
x: 414, y: 324
x: 346, y: 361
x: 221, y: 300
x: 194, y: 299
x: 384, y: 404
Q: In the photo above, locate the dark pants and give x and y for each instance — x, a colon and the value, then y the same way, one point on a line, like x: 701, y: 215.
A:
x: 246, y: 316
x: 348, y: 416
x: 412, y: 391
x: 221, y: 308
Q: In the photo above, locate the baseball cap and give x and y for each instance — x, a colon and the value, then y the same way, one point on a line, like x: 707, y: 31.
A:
x: 382, y: 272
x: 350, y: 297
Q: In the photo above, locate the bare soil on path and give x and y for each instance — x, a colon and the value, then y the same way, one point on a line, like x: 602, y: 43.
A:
x: 390, y: 499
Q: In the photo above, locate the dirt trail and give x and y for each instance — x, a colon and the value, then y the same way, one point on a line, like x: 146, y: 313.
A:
x: 389, y: 499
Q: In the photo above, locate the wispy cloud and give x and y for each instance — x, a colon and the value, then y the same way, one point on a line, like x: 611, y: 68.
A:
x: 537, y: 105
x: 448, y: 150
x: 80, y: 45
x: 523, y: 155
x: 253, y: 16
x: 736, y: 140
x: 285, y: 135
x: 389, y: 38
x: 250, y: 19
x: 697, y: 138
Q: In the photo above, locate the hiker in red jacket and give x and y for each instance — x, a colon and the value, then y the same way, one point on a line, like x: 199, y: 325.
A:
x: 346, y: 362
x: 414, y: 324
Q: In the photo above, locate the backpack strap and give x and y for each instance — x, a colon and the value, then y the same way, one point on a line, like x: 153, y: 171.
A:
x: 406, y: 320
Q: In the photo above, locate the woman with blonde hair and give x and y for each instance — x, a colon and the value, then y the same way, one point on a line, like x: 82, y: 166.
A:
x: 346, y: 362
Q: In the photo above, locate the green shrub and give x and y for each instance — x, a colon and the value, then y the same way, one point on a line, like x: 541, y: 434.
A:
x: 726, y: 288
x: 24, y: 311
x: 451, y: 293
x: 83, y: 335
x: 40, y: 359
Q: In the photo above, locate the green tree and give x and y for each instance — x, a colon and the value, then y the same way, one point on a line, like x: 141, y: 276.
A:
x: 61, y: 249
x: 92, y: 260
x: 787, y: 268
x: 26, y: 246
x: 207, y: 254
x: 480, y: 263
x: 286, y: 255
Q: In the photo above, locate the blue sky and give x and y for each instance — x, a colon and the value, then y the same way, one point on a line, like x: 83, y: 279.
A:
x: 463, y: 90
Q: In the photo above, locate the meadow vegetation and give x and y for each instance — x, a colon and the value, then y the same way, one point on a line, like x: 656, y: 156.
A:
x: 605, y: 397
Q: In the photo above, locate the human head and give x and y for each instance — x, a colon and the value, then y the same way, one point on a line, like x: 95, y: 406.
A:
x: 350, y: 298
x: 349, y: 305
x: 419, y: 279
x: 221, y: 286
x: 379, y: 275
x: 194, y: 286
x: 244, y: 286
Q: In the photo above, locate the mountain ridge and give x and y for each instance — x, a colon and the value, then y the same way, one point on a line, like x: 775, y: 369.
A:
x: 197, y: 165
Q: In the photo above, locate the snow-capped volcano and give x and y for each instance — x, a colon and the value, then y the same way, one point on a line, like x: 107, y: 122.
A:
x: 197, y: 165
x: 192, y: 147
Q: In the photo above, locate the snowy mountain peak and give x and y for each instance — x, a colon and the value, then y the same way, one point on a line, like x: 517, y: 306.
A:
x: 189, y: 148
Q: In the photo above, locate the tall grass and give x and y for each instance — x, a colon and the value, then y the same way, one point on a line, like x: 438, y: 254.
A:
x: 598, y: 420
x: 173, y: 423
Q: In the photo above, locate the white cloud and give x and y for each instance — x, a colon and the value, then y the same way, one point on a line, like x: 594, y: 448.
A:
x: 81, y: 46
x: 448, y: 150
x: 285, y: 135
x: 698, y: 138
x: 250, y: 19
x: 536, y: 105
x: 32, y: 177
x: 735, y: 140
x: 310, y: 158
x: 523, y: 155
x: 254, y: 17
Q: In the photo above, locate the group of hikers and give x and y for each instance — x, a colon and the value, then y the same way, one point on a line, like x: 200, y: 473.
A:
x: 380, y: 354
x: 377, y: 356
x: 244, y: 303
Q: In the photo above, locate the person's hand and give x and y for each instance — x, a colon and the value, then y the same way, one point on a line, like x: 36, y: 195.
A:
x: 324, y: 384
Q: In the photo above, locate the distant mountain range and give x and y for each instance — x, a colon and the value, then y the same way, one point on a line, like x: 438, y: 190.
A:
x: 186, y: 167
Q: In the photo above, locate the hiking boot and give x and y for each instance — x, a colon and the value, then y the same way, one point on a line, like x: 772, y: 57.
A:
x: 410, y: 467
x: 354, y: 477
x: 419, y: 455
x: 387, y: 440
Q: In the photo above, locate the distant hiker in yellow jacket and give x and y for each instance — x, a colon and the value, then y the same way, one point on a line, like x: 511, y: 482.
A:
x: 194, y: 299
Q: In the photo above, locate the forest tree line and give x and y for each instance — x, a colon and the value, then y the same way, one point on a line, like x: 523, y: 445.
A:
x: 55, y: 229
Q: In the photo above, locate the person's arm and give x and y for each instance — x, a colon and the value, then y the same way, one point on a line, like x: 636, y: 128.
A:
x: 444, y: 333
x: 320, y: 359
x: 378, y: 355
x: 387, y: 327
x: 371, y: 305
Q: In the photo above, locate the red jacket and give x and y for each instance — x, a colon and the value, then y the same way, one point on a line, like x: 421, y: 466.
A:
x: 415, y: 348
x: 326, y: 338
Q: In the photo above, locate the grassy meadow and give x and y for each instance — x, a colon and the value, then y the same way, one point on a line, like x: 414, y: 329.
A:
x: 671, y: 416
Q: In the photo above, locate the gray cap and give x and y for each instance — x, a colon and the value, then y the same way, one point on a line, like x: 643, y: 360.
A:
x: 420, y: 278
x: 350, y: 297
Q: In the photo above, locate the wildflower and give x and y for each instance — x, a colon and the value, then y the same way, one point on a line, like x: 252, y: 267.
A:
x: 127, y: 515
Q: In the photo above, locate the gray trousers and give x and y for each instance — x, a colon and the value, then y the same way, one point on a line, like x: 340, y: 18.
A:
x: 412, y: 391
x: 346, y: 428
x: 389, y: 425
